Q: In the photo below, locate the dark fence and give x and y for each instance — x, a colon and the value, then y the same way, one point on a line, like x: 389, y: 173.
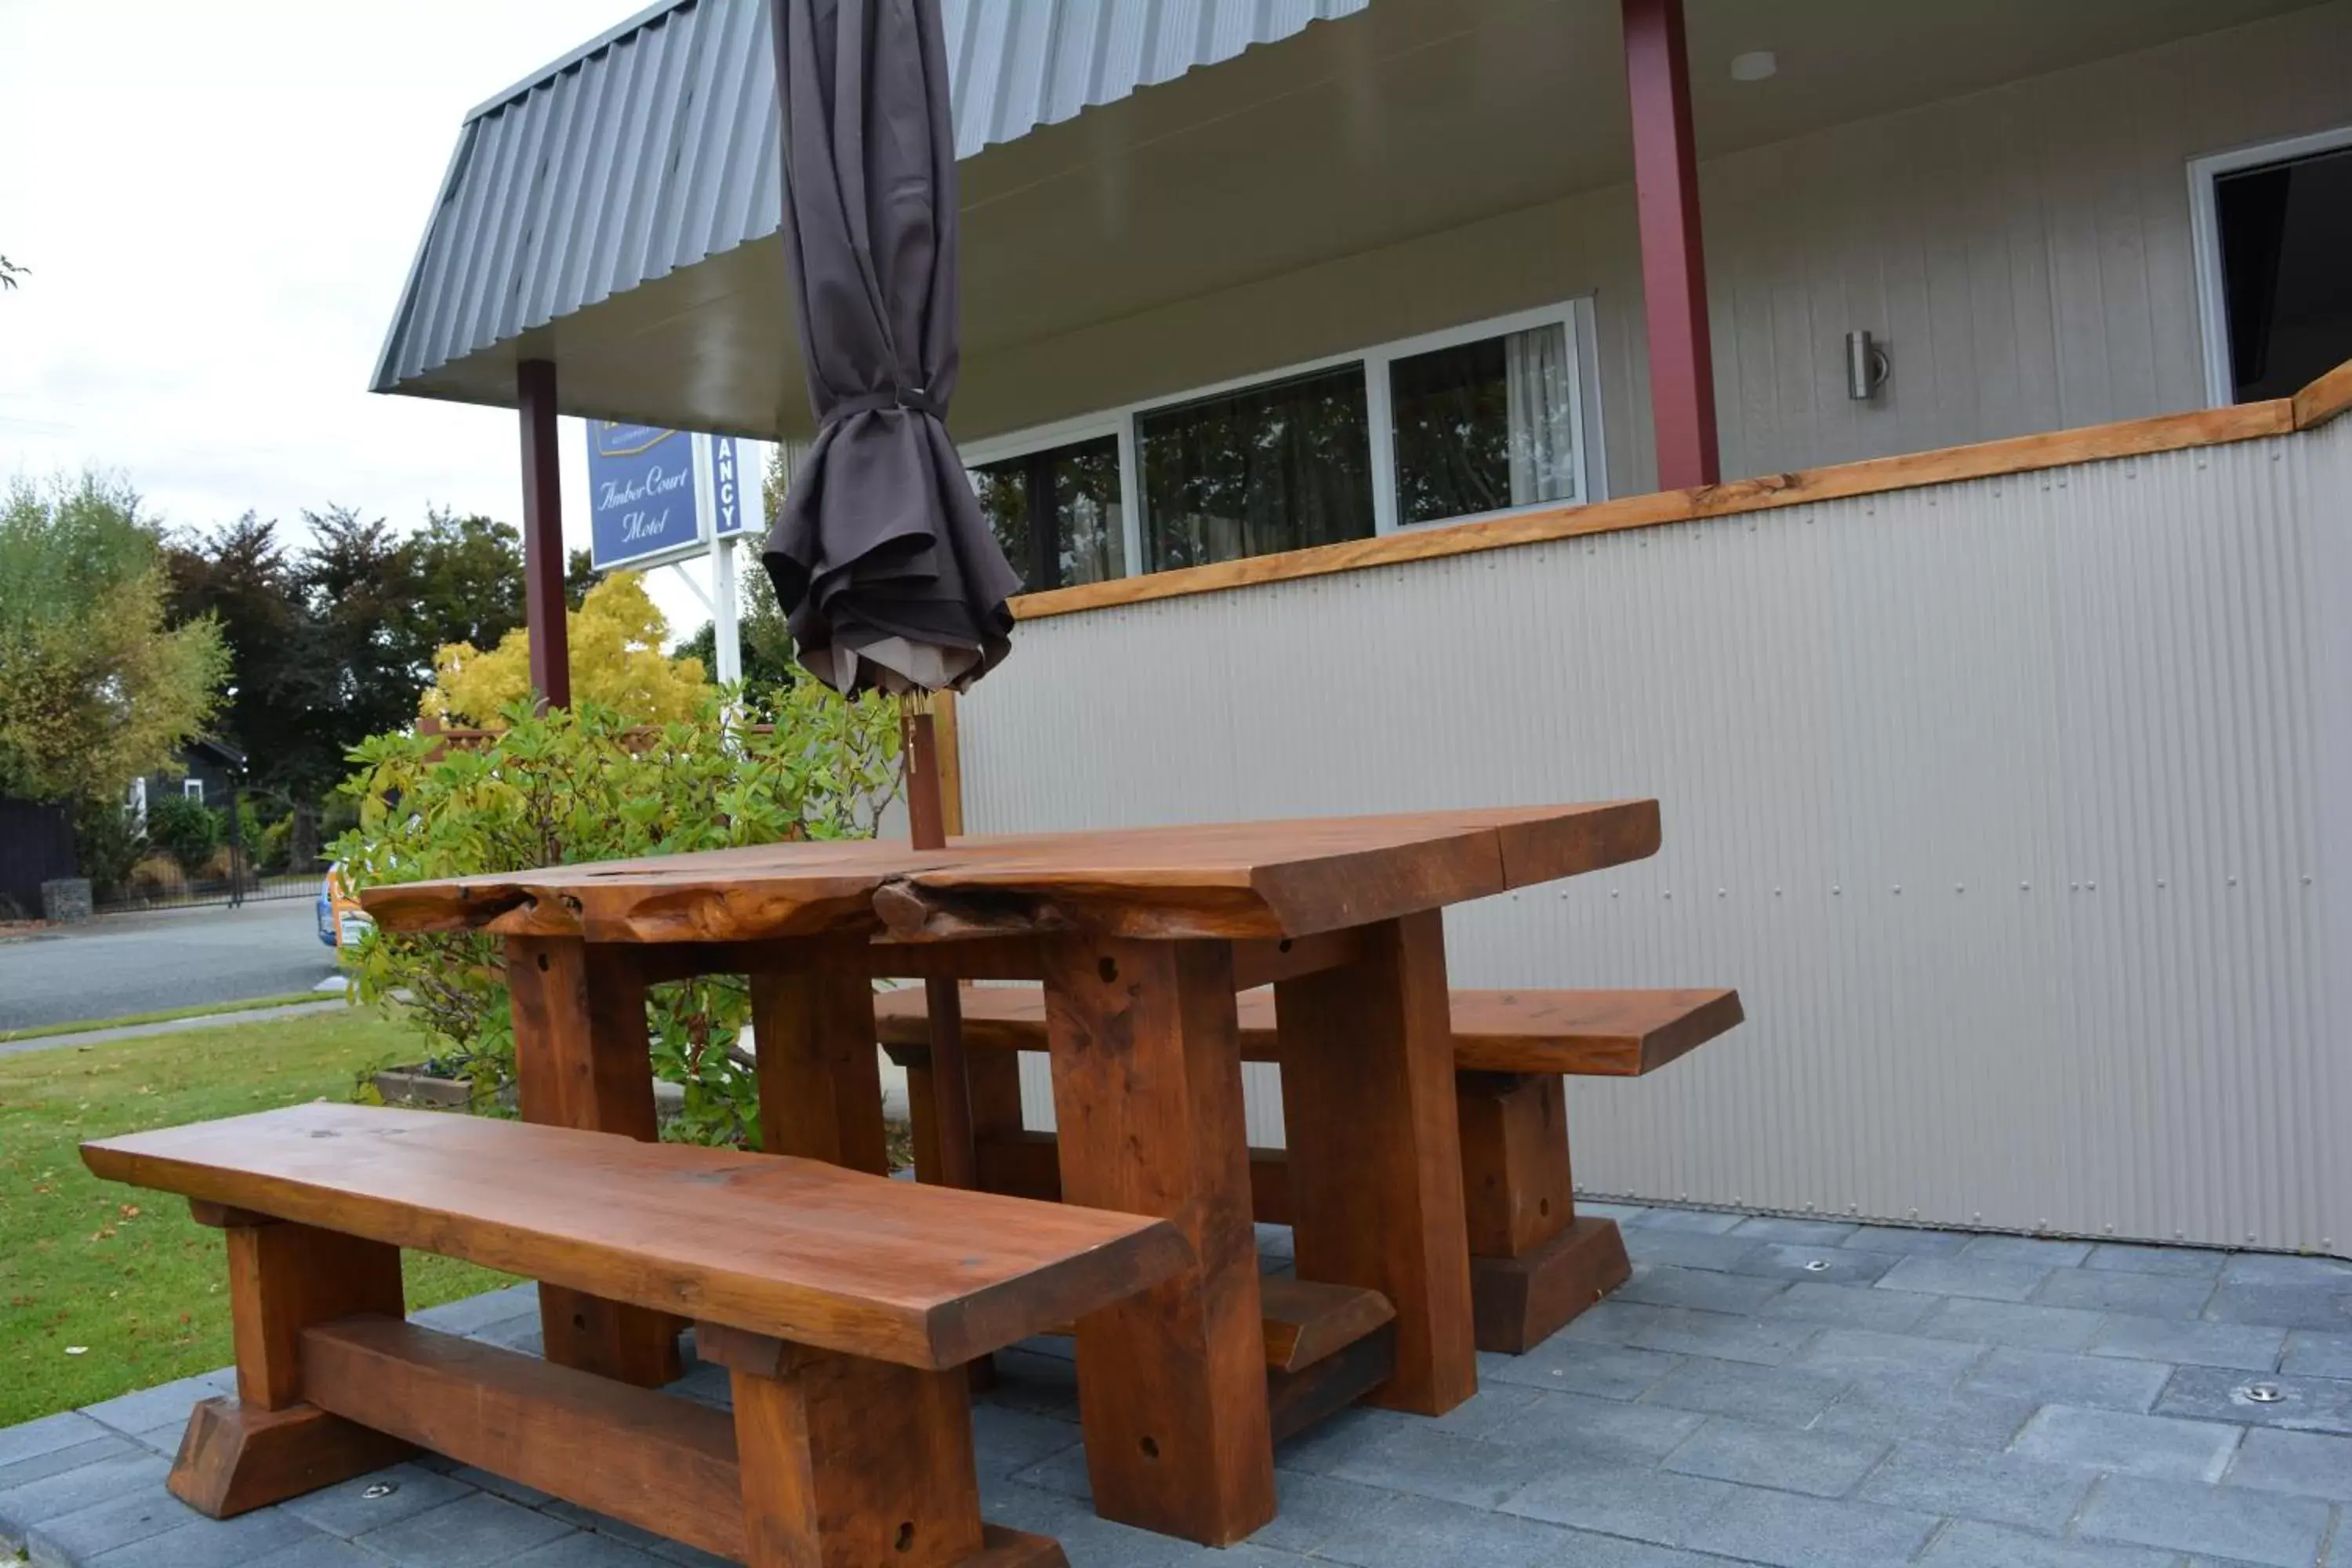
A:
x: 36, y: 846
x: 206, y: 862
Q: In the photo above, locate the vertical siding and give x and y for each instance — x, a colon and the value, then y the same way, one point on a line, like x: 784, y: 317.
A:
x: 2006, y: 804
x: 2024, y: 252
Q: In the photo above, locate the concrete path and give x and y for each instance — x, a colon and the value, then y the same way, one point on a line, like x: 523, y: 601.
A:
x: 120, y: 965
x: 170, y: 1026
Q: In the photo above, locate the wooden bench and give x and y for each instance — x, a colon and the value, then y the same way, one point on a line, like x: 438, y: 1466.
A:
x: 1534, y: 1263
x: 843, y: 1305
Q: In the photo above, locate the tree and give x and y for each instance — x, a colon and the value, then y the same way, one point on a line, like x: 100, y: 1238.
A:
x: 580, y: 575
x: 100, y: 688
x: 760, y: 631
x: 615, y: 638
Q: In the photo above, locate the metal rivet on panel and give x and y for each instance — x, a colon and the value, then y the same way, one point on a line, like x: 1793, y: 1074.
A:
x: 1776, y: 892
x: 1976, y: 1220
x: 1959, y: 887
x: 1898, y: 887
x: 2306, y: 880
x: 1837, y: 890
x: 2092, y: 887
x: 1668, y: 893
x: 2025, y: 887
x: 2159, y: 881
x: 2234, y: 881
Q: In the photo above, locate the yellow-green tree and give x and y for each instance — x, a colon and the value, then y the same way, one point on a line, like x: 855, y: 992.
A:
x: 616, y: 637
x: 96, y: 687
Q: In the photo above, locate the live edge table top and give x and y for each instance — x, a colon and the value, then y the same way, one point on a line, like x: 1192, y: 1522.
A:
x: 1277, y: 879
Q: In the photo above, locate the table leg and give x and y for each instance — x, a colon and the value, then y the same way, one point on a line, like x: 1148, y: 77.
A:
x: 1367, y: 1054
x: 582, y: 1059
x: 820, y: 1080
x: 1148, y: 1092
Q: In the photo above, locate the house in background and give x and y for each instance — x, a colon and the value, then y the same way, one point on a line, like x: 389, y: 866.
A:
x: 1903, y: 438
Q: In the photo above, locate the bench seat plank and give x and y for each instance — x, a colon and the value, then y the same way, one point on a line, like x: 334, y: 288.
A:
x: 1590, y: 1034
x: 924, y: 1277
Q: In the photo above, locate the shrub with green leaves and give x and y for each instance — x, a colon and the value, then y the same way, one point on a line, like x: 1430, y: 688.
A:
x: 578, y: 785
x: 186, y: 830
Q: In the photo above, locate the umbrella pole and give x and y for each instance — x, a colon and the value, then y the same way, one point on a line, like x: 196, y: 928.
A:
x: 950, y: 1086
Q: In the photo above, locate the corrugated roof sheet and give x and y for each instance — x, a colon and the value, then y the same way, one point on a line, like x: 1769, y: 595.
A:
x: 655, y: 146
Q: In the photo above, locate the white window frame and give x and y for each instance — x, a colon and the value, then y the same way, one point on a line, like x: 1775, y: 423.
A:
x: 2205, y: 232
x: 194, y: 789
x: 1574, y: 317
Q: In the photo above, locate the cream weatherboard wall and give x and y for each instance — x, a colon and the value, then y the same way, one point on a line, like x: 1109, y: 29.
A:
x: 2023, y: 252
x: 2013, y: 807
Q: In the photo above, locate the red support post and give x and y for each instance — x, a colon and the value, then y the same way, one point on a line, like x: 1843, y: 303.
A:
x: 1673, y: 267
x: 542, y: 535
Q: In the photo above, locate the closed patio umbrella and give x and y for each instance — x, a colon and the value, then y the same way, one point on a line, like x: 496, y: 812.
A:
x: 888, y: 572
x: 890, y: 576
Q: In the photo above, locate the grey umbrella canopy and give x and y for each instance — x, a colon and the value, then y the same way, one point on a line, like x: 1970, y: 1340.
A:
x: 888, y: 573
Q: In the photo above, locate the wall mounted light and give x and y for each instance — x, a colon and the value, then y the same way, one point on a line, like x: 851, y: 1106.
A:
x: 1867, y: 367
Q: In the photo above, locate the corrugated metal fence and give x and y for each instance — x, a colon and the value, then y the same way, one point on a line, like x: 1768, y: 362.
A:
x: 2016, y: 808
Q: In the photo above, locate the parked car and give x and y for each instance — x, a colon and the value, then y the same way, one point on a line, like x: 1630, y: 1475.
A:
x: 342, y: 921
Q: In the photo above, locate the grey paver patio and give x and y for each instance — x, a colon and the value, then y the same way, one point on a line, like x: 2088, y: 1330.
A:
x: 1930, y: 1398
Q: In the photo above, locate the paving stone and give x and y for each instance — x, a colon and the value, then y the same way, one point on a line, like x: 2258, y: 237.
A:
x: 2187, y: 1262
x: 472, y: 1532
x: 1643, y: 1503
x: 470, y: 1313
x: 2048, y: 1251
x: 1686, y: 1248
x: 1771, y: 1395
x: 70, y: 1491
x: 2001, y: 1489
x: 1311, y: 1510
x: 1613, y: 1321
x: 131, y: 1513
x: 2241, y: 1346
x: 491, y: 1481
x: 645, y: 1541
x: 1781, y: 1527
x: 1706, y: 1288
x: 2160, y: 1446
x: 2287, y: 1268
x: 1710, y: 1220
x: 2318, y: 1307
x: 2019, y: 1325
x: 2145, y: 1295
x: 1765, y: 1341
x: 194, y: 1542
x: 2313, y: 1464
x: 1330, y: 1443
x: 1908, y: 1240
x: 1811, y: 1262
x: 345, y: 1508
x: 167, y: 1404
x: 1006, y: 1439
x: 164, y: 1440
x: 1857, y: 1354
x: 1956, y: 1416
x: 2055, y: 1379
x: 1609, y: 1208
x: 1799, y: 1232
x: 2311, y: 1355
x: 1276, y: 1240
x: 58, y: 1461
x: 1481, y: 1412
x: 1570, y: 1428
x: 1850, y: 1306
x: 2305, y: 1403
x: 1063, y: 1471
x: 1968, y: 1544
x: 1825, y: 1463
x: 318, y: 1551
x: 1576, y: 1367
x: 584, y: 1550
x: 1990, y: 1278
x: 1457, y: 1470
x: 520, y: 1333
x: 2246, y: 1526
x: 1414, y: 1533
x: 51, y: 1433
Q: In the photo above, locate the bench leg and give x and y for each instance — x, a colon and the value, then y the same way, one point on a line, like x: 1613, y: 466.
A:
x: 1148, y: 1092
x: 582, y: 1059
x: 1534, y: 1264
x: 1367, y: 1055
x: 846, y: 1462
x: 820, y: 1082
x: 265, y: 1445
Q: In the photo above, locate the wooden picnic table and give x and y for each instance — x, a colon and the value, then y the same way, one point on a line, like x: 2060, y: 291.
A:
x: 1141, y: 938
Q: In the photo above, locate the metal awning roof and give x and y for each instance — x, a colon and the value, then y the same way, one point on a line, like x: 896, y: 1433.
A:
x: 654, y: 147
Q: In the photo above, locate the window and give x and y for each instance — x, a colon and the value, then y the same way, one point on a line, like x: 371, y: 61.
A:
x: 1278, y: 466
x: 2275, y: 226
x: 194, y: 789
x: 1056, y: 513
x: 1471, y: 421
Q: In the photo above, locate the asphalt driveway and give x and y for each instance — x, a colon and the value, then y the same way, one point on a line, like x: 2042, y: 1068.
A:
x: 120, y: 965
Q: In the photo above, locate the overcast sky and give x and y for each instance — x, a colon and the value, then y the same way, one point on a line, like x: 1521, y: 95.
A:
x: 218, y: 201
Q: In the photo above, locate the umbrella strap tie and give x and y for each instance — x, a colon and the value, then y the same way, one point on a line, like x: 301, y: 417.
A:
x: 915, y: 399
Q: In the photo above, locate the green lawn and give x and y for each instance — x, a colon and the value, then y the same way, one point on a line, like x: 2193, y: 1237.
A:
x: 123, y: 1273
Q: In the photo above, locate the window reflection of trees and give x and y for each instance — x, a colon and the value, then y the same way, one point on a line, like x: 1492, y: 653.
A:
x: 1272, y: 467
